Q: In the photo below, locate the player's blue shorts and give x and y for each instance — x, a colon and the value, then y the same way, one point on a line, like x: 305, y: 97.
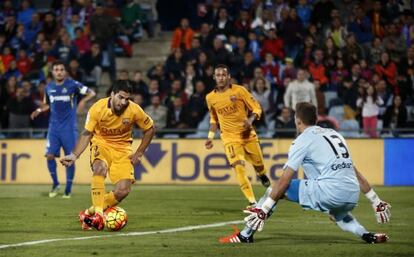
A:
x: 57, y: 139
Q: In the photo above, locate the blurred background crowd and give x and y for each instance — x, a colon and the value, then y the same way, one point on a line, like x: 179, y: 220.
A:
x: 353, y: 59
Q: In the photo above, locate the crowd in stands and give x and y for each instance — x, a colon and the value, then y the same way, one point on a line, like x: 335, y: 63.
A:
x: 87, y: 35
x: 353, y: 59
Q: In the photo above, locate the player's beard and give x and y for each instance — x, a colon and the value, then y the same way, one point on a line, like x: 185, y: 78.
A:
x: 59, y: 81
x: 120, y: 111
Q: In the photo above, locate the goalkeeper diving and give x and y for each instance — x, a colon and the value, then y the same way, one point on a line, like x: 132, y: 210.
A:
x: 332, y: 186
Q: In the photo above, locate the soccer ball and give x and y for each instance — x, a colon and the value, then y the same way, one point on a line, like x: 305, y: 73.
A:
x: 115, y: 218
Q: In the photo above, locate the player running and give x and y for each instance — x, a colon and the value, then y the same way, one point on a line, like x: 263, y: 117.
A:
x: 61, y: 97
x: 233, y: 109
x: 108, y: 130
x: 331, y: 185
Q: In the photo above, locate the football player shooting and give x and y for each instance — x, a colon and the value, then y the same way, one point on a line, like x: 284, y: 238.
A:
x: 229, y: 107
x: 108, y: 130
x: 332, y: 185
x: 61, y: 97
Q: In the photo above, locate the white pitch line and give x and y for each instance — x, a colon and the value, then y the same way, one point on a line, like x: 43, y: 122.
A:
x: 164, y: 231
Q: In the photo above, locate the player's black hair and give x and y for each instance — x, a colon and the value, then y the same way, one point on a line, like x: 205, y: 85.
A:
x: 306, y: 112
x: 222, y: 66
x: 58, y: 62
x: 122, y: 85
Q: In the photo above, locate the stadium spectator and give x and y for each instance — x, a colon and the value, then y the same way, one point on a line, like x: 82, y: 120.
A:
x: 361, y: 27
x: 139, y: 86
x: 64, y: 49
x: 300, y: 90
x: 317, y: 69
x: 197, y: 105
x: 50, y: 26
x: 32, y: 28
x: 378, y: 18
x: 176, y: 91
x: 223, y: 26
x: 74, y: 70
x: 24, y: 15
x: 24, y: 64
x: 177, y: 118
x: 8, y: 91
x: 337, y: 32
x: 353, y: 52
x: 175, y: 64
x: 377, y: 48
x: 320, y: 98
x: 387, y: 70
x: 264, y: 23
x: 338, y: 74
x: 292, y: 34
x: 71, y: 26
x: 274, y: 45
x: 370, y: 104
x: 395, y: 117
x: 394, y: 43
x: 304, y: 57
x: 19, y: 108
x: 304, y: 12
x: 271, y: 70
x: 81, y: 42
x: 284, y: 123
x: 218, y: 53
x: 193, y: 53
x: 321, y: 13
x: 132, y: 19
x: 91, y: 62
x: 158, y: 112
x: 243, y: 23
x: 182, y: 36
x: 104, y: 29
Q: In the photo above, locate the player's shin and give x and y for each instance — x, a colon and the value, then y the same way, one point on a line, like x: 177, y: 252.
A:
x: 244, y: 183
x: 109, y: 200
x: 70, y: 174
x: 98, y: 191
x: 51, y: 165
x: 350, y: 224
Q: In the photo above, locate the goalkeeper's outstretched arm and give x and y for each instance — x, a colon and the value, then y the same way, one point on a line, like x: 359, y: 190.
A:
x: 381, y: 208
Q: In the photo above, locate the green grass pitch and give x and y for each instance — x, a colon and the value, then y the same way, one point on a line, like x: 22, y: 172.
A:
x: 27, y: 214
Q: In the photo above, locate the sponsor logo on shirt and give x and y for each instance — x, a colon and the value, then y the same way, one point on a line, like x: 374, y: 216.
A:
x: 125, y: 121
x: 60, y: 98
x: 227, y: 110
x: 343, y: 165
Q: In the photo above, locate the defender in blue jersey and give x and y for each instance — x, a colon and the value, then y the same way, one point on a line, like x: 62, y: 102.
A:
x: 332, y: 183
x: 61, y: 98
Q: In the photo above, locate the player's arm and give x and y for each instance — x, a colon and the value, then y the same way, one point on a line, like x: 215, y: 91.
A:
x: 89, y: 95
x: 381, y: 208
x: 83, y: 142
x: 42, y: 108
x: 213, y: 126
x: 254, y: 106
x: 145, y: 141
x: 257, y: 216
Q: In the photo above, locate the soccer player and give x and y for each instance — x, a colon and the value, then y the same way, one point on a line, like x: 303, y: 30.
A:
x: 233, y: 109
x: 108, y: 130
x: 61, y: 97
x: 332, y: 185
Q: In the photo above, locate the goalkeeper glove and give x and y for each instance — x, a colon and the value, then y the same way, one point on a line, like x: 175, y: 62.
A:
x: 257, y: 216
x: 381, y: 208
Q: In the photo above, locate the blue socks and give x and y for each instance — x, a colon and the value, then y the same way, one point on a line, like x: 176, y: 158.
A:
x: 70, y: 174
x: 51, y: 165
